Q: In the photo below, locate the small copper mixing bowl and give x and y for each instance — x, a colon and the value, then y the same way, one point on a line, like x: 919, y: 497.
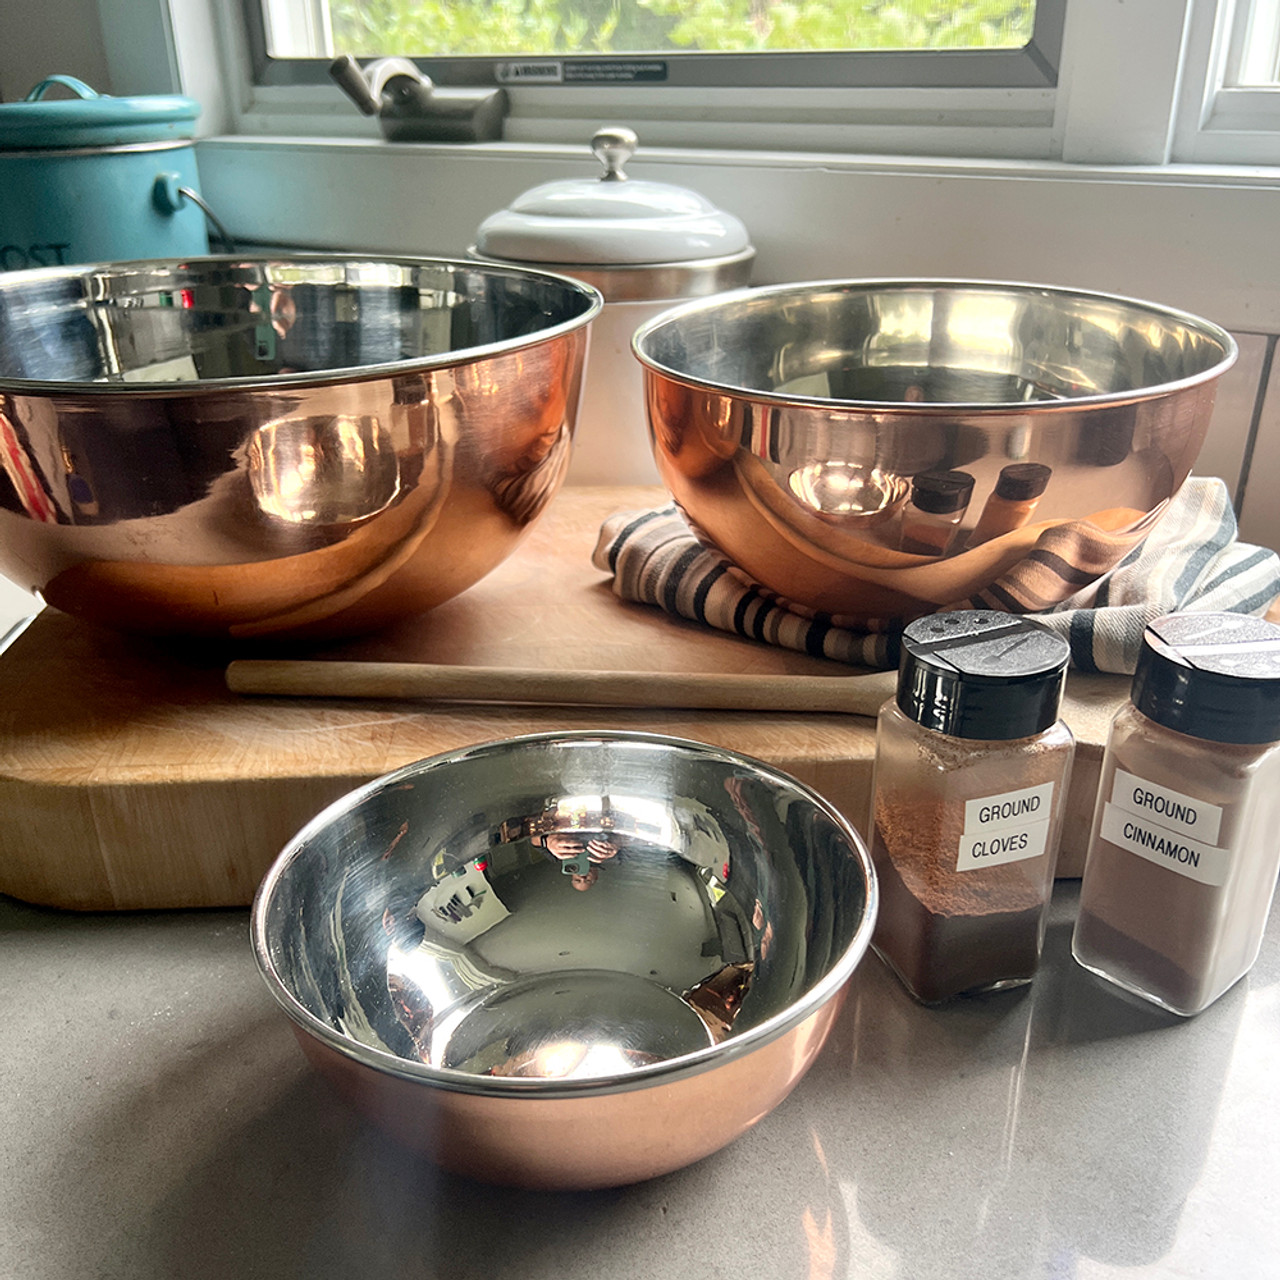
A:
x: 568, y: 960
x: 797, y: 424
x: 262, y: 446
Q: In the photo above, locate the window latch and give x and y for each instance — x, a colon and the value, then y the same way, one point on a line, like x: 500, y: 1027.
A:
x: 411, y: 108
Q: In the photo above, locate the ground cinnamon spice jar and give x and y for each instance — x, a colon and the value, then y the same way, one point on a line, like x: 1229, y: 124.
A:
x: 1185, y: 844
x: 971, y: 773
x: 1012, y: 502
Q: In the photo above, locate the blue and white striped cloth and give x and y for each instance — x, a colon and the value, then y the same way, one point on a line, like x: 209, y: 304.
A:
x: 1190, y: 561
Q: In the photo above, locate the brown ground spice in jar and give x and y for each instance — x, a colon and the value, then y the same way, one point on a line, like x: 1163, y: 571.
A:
x: 945, y: 931
x: 971, y: 771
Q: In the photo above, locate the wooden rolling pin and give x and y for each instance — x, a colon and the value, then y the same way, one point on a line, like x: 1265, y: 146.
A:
x: 861, y: 694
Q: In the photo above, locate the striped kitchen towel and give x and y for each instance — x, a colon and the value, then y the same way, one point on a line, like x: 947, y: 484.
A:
x: 1098, y: 591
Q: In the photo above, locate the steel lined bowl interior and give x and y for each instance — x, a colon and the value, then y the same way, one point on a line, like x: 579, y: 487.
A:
x: 215, y: 320
x: 953, y: 344
x: 596, y: 922
x: 792, y: 423
x: 242, y: 447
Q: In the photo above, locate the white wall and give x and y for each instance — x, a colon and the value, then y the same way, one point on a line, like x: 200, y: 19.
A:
x: 1179, y: 241
x: 45, y: 37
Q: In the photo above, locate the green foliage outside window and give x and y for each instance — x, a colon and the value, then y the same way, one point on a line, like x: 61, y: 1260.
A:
x: 418, y: 28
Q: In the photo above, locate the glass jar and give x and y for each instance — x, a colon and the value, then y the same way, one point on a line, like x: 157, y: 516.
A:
x: 1012, y: 502
x: 971, y: 773
x: 932, y: 516
x: 1185, y: 843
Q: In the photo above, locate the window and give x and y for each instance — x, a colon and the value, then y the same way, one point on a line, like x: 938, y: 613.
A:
x: 801, y: 43
x: 1231, y: 108
x: 966, y: 96
x: 1253, y: 58
x: 426, y: 28
x: 1099, y: 81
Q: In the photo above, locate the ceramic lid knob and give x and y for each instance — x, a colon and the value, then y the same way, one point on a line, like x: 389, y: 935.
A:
x: 613, y: 148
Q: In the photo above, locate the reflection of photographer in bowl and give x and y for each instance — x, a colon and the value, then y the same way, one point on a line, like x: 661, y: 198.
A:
x: 578, y: 854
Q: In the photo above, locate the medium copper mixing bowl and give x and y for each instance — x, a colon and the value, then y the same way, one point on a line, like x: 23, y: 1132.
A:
x: 240, y: 446
x: 792, y: 424
x: 568, y: 960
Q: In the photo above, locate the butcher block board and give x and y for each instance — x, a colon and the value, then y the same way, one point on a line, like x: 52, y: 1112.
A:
x: 130, y: 777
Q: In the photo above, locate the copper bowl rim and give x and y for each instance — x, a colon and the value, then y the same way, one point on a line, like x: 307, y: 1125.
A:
x: 779, y: 1024
x: 592, y: 299
x: 1205, y: 328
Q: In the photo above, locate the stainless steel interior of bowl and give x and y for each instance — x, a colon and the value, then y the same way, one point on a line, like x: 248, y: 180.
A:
x: 792, y: 423
x: 568, y: 959
x: 265, y: 446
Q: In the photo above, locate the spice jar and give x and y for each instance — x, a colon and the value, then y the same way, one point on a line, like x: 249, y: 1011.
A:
x: 932, y: 516
x: 1012, y: 502
x: 971, y: 772
x: 1185, y: 843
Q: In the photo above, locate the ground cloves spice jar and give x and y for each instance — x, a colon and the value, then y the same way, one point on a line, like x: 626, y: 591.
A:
x: 971, y: 774
x: 1185, y: 843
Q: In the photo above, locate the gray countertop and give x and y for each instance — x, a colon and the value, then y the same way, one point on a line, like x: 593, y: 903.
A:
x: 158, y: 1120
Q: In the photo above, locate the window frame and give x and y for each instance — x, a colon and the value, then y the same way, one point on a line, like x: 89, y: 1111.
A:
x: 1058, y: 193
x: 1176, y: 108
x: 1220, y: 121
x: 1001, y: 122
x: 1034, y: 66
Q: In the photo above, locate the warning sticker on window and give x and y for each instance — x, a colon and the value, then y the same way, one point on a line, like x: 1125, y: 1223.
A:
x: 581, y: 71
x: 540, y: 71
x: 591, y: 71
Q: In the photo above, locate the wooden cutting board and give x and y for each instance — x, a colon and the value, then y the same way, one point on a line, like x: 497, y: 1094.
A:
x: 131, y: 778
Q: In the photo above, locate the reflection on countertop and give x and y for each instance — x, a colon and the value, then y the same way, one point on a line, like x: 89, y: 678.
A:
x: 157, y: 1120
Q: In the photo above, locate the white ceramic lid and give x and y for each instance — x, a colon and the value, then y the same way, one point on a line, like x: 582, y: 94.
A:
x: 611, y: 220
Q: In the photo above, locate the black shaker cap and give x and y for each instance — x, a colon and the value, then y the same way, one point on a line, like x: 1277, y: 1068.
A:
x: 942, y: 492
x: 1211, y: 675
x: 1022, y: 481
x: 981, y: 674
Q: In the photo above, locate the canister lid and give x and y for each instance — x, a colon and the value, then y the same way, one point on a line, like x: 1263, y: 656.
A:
x: 942, y: 492
x: 91, y: 119
x: 981, y: 674
x: 1022, y: 481
x: 1211, y: 675
x: 612, y: 220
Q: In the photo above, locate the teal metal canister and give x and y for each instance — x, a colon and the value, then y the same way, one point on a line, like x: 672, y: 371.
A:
x: 95, y: 178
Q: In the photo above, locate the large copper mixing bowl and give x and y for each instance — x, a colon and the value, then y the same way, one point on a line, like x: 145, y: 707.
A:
x: 797, y: 424
x: 236, y: 446
x: 568, y: 960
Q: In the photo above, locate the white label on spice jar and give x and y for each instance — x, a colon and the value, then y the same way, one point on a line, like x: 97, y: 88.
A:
x: 1009, y: 844
x: 1012, y: 809
x: 1172, y: 810
x: 1005, y: 828
x: 1193, y: 858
